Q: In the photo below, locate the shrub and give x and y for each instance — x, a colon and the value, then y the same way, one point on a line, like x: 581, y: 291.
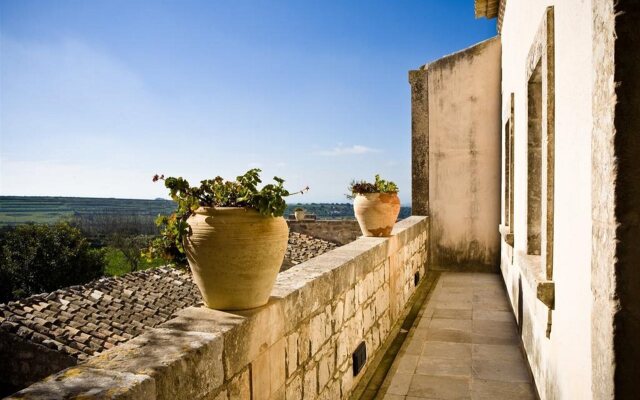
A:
x: 379, y: 186
x: 42, y: 258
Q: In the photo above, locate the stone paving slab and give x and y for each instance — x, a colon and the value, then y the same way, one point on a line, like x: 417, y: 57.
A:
x: 464, y: 345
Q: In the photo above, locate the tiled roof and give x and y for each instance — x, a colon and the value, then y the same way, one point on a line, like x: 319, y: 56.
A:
x: 84, y: 320
x: 303, y: 247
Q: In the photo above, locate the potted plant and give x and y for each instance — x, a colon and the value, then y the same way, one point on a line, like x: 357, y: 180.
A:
x: 376, y: 206
x: 232, y: 234
x: 299, y: 213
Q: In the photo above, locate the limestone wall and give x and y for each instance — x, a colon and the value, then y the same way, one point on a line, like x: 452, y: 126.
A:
x: 339, y: 231
x: 298, y: 346
x: 456, y: 155
x: 556, y: 335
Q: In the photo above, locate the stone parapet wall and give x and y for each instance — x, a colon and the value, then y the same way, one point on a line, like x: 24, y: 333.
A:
x: 339, y: 231
x: 298, y: 346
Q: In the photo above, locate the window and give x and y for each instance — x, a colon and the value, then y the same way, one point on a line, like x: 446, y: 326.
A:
x: 534, y: 162
x: 507, y: 228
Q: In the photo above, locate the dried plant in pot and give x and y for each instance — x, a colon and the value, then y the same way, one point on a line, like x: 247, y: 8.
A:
x: 299, y: 213
x: 232, y: 234
x: 376, y: 206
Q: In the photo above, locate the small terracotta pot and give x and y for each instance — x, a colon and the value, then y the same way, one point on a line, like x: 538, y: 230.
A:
x: 235, y: 255
x: 299, y: 215
x: 376, y: 212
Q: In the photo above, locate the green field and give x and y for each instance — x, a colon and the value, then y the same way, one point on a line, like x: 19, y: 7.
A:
x: 16, y: 210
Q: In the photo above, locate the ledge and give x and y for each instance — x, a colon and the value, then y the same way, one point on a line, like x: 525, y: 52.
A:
x: 507, y: 235
x: 534, y: 274
x: 300, y: 343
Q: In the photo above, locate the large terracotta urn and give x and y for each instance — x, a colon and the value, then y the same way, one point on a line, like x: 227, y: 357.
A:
x: 376, y: 212
x: 235, y: 255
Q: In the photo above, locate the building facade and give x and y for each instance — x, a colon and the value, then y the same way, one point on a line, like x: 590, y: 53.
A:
x: 567, y: 180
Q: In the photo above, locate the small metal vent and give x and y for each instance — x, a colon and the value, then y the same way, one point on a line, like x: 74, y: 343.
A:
x: 359, y: 358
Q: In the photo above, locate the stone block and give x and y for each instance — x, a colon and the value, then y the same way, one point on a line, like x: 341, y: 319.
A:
x: 346, y: 380
x: 361, y: 293
x: 239, y: 387
x: 84, y: 382
x: 262, y: 328
x: 310, y: 384
x: 349, y: 304
x: 303, y: 344
x: 312, y: 290
x: 292, y: 353
x: 223, y: 395
x: 338, y: 316
x: 294, y: 388
x: 183, y: 364
x: 277, y: 366
x: 319, y: 331
x: 331, y: 392
x: 326, y: 366
x: 260, y: 377
x: 343, y: 347
x: 368, y: 317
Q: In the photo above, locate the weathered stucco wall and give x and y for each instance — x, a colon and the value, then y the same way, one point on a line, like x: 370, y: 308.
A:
x: 556, y: 336
x: 298, y: 346
x: 339, y: 231
x: 456, y: 155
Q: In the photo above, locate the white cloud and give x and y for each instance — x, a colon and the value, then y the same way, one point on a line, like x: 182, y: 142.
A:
x: 343, y: 151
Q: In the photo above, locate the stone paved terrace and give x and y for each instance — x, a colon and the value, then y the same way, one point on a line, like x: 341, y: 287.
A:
x: 464, y: 344
x: 48, y: 332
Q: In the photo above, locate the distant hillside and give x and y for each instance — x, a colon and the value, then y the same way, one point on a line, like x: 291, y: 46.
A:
x: 24, y: 209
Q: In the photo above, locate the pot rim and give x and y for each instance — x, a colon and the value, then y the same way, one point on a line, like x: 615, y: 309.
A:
x: 378, y: 193
x: 210, y: 210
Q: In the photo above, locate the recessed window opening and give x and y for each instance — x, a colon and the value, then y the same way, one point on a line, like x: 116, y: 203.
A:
x: 534, y: 162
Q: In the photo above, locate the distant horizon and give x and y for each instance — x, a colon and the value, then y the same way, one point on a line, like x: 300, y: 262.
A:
x: 99, y: 96
x: 347, y: 201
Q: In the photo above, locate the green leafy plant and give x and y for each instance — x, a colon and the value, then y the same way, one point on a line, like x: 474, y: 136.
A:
x: 37, y: 258
x: 378, y: 186
x: 242, y: 192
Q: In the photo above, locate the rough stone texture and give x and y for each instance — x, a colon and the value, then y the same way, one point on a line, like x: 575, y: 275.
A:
x: 456, y: 119
x: 46, y: 333
x: 299, y: 345
x: 339, y: 231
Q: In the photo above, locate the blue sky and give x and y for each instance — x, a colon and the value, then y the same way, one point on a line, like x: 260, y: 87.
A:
x: 97, y: 96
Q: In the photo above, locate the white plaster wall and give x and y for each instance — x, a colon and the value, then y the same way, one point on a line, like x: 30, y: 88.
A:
x: 464, y: 149
x: 561, y: 364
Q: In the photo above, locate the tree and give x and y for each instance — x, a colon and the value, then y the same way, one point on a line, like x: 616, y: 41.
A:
x: 131, y: 247
x: 42, y: 258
